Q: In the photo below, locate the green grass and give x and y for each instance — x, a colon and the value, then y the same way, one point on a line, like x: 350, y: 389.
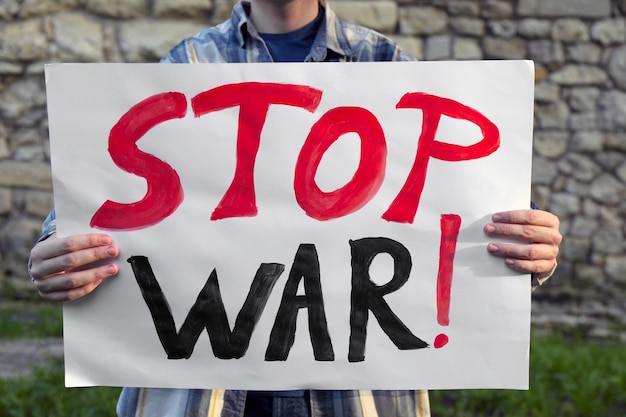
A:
x: 28, y: 320
x: 44, y: 395
x: 568, y: 378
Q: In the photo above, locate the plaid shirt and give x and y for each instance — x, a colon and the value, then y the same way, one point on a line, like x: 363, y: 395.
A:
x: 237, y: 41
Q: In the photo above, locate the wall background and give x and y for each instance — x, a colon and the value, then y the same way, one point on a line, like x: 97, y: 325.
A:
x: 579, y: 168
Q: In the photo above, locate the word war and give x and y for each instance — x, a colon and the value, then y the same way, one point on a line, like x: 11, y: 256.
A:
x: 165, y: 193
x: 208, y: 310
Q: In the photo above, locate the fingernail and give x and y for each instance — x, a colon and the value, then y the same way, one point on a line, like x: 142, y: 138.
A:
x: 105, y: 240
x: 111, y: 251
x: 490, y: 228
x: 509, y: 262
x: 497, y: 217
x: 492, y: 248
x: 111, y: 269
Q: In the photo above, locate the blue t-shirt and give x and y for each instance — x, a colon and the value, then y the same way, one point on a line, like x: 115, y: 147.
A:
x: 293, y: 46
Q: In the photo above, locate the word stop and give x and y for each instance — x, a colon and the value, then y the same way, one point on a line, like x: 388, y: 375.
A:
x: 165, y: 193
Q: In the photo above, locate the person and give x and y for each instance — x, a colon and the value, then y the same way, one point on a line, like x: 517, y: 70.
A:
x: 68, y: 268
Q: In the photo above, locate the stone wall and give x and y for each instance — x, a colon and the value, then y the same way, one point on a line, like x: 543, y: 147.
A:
x: 579, y: 48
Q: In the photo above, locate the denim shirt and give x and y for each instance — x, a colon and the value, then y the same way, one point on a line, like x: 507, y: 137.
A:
x: 237, y: 41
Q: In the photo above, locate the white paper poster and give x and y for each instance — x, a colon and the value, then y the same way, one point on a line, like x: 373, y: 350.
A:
x: 295, y: 225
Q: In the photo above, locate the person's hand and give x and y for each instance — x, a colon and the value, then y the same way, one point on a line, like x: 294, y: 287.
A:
x: 68, y: 268
x: 535, y: 240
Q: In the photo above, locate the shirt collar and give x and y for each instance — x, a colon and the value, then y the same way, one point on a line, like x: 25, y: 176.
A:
x: 240, y: 20
x: 331, y: 37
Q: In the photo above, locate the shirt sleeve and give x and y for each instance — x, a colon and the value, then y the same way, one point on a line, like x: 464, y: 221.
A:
x: 49, y: 226
x: 535, y: 280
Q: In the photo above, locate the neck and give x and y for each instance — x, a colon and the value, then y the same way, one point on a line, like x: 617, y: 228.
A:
x: 282, y: 16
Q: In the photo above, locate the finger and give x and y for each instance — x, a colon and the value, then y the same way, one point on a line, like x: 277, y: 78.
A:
x: 525, y: 232
x: 530, y: 267
x: 529, y: 217
x: 529, y: 252
x: 72, y: 261
x: 70, y: 295
x: 73, y: 280
x: 55, y: 246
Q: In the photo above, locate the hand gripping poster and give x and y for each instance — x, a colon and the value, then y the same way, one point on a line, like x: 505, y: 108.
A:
x: 295, y: 225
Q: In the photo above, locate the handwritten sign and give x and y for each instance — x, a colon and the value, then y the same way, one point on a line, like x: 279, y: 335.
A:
x: 294, y: 225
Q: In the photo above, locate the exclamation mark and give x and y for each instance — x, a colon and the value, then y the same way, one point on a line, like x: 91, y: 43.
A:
x: 450, y: 226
